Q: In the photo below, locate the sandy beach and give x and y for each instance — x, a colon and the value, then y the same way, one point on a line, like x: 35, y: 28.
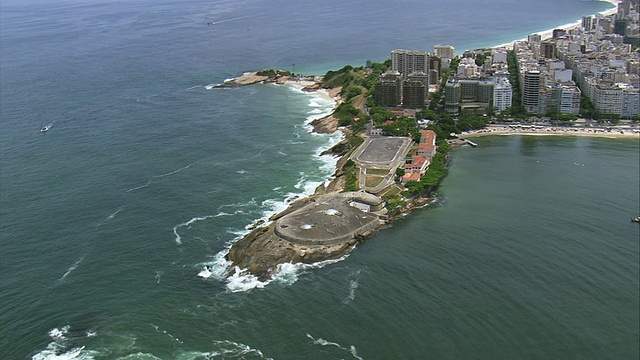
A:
x: 547, y: 34
x: 606, y: 132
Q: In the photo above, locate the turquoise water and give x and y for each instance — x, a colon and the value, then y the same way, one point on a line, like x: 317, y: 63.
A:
x: 147, y: 174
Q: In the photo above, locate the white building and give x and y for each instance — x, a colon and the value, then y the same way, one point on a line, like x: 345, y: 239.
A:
x: 407, y: 62
x: 569, y: 99
x: 502, y: 94
x: 630, y: 101
x: 444, y: 51
x: 607, y: 99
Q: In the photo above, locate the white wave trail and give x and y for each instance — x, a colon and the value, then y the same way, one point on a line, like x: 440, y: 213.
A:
x: 228, y: 20
x: 71, y: 268
x: 175, y: 171
x: 323, y: 342
x: 188, y: 223
x: 110, y: 217
x: 139, y: 187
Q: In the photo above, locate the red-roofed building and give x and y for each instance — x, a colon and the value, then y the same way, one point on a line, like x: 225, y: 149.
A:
x: 418, y: 165
x: 413, y: 176
x: 427, y: 146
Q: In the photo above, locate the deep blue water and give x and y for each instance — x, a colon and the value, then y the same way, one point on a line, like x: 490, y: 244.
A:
x: 147, y: 174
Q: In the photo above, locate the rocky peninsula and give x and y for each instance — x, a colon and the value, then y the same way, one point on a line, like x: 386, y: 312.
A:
x: 330, y: 223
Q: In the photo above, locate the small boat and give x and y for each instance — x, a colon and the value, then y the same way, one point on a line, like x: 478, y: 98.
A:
x: 45, y: 128
x: 636, y: 219
x: 205, y: 273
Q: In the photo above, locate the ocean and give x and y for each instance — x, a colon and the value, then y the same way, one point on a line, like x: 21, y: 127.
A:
x: 148, y: 173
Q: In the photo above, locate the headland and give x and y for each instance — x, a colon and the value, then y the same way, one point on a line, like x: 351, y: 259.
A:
x: 398, y: 125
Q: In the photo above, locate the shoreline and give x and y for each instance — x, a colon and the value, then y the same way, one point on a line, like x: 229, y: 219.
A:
x: 547, y: 34
x: 505, y: 130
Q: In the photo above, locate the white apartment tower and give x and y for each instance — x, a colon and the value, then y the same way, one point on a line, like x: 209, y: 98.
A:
x: 569, y: 99
x: 502, y: 94
x: 444, y: 51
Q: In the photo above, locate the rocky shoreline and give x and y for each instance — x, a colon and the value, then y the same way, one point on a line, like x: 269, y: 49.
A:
x: 262, y: 250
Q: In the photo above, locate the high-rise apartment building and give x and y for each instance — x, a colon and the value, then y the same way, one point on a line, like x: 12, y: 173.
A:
x: 587, y: 23
x: 414, y: 93
x: 502, y: 94
x: 407, y: 62
x: 568, y: 99
x: 530, y: 88
x: 548, y: 50
x: 444, y: 51
x: 388, y: 89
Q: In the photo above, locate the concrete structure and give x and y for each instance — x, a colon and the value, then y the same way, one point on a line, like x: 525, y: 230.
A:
x: 387, y: 153
x: 331, y: 219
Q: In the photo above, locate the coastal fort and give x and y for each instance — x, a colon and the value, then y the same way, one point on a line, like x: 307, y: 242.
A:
x: 401, y: 117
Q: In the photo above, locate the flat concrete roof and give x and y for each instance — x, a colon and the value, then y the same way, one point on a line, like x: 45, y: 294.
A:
x: 381, y: 149
x: 327, y: 221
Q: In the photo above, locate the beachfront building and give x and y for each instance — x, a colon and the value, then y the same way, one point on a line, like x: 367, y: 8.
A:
x: 603, y: 65
x: 470, y: 95
x: 607, y: 99
x: 568, y: 99
x: 630, y: 101
x: 502, y: 94
x: 531, y: 87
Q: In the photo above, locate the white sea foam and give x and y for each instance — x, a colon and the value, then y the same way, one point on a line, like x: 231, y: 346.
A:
x: 71, y: 268
x: 225, y: 349
x: 139, y: 187
x: 113, y: 215
x: 187, y: 224
x: 240, y: 280
x: 59, y: 349
x: 175, y: 171
x: 353, y: 285
x: 323, y: 342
